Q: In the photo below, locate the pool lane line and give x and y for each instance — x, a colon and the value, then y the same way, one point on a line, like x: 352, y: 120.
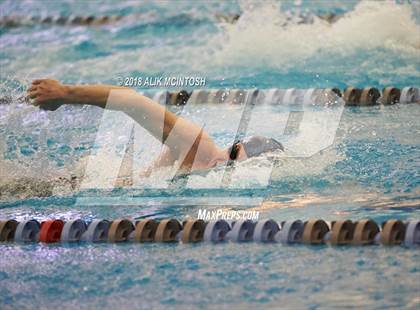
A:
x: 352, y: 96
x: 13, y: 21
x: 310, y: 232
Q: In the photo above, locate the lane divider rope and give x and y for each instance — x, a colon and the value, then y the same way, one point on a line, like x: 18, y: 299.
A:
x: 92, y: 20
x: 311, y: 232
x: 352, y: 96
x: 367, y: 96
x: 19, y: 21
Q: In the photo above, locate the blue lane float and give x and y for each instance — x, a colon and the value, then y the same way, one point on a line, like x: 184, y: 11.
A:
x: 311, y: 232
x: 242, y: 231
x: 27, y: 231
x: 291, y: 232
x: 216, y: 231
x: 97, y: 231
x: 265, y: 231
x: 73, y: 231
x: 412, y: 234
x: 409, y: 95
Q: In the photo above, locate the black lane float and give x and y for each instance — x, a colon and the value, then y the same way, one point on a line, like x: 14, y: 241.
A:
x: 311, y: 232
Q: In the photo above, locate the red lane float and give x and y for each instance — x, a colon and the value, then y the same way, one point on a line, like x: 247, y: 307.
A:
x: 51, y: 231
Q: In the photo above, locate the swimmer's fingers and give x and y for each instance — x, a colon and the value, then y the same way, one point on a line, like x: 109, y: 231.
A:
x: 35, y: 98
x: 45, y: 94
x: 33, y: 94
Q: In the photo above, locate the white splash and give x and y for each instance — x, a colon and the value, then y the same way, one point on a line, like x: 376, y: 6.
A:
x: 263, y: 37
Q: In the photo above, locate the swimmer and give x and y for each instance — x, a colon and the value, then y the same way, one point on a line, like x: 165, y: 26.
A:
x: 180, y: 137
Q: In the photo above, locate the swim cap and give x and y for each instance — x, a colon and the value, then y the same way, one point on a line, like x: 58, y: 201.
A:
x: 256, y: 145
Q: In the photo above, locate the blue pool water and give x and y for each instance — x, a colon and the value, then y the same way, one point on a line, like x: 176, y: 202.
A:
x: 372, y: 169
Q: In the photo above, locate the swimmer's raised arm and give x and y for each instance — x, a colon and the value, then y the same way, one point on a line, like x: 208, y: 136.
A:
x: 51, y: 94
x: 185, y: 140
x: 155, y: 118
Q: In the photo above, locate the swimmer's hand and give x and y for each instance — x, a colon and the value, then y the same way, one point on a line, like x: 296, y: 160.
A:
x: 48, y: 94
